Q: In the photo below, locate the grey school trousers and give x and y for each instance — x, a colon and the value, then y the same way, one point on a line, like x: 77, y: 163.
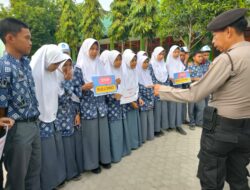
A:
x: 23, y: 157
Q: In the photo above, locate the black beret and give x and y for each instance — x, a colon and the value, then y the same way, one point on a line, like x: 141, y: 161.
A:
x: 226, y: 18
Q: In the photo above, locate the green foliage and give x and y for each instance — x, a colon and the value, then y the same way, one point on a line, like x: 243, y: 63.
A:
x: 186, y: 20
x: 68, y: 30
x: 41, y: 16
x: 119, y: 29
x: 143, y: 18
x: 91, y: 24
x: 53, y: 21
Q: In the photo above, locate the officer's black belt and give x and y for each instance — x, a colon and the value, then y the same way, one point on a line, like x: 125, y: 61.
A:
x: 231, y: 124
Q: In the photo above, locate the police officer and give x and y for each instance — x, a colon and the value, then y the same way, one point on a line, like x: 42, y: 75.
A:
x: 17, y: 101
x: 225, y: 141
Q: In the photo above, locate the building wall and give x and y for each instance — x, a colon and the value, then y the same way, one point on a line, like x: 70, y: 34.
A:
x: 134, y: 44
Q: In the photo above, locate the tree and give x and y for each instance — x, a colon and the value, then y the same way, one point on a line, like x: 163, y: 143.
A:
x: 186, y: 20
x: 91, y: 24
x: 143, y: 19
x: 41, y: 16
x: 119, y: 29
x: 67, y: 30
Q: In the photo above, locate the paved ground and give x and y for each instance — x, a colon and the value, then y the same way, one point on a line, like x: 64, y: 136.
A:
x: 166, y: 163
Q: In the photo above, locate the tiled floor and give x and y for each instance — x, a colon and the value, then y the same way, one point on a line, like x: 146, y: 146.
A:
x: 166, y: 163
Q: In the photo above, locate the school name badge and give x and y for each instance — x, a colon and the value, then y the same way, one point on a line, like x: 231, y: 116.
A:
x: 104, y: 85
x: 182, y: 78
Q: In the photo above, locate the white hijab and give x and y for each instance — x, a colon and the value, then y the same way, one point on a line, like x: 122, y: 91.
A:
x: 124, y: 54
x: 174, y: 65
x: 144, y: 76
x: 114, y: 71
x: 104, y: 62
x: 46, y: 84
x: 129, y: 78
x: 90, y: 67
x: 60, y: 76
x: 111, y: 59
x: 127, y: 51
x: 141, y: 53
x: 159, y: 67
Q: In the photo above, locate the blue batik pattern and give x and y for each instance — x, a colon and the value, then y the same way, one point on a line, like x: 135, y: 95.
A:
x: 155, y: 81
x: 195, y: 71
x: 46, y: 129
x: 147, y: 95
x: 17, y: 88
x: 66, y: 113
x: 205, y: 67
x: 116, y: 111
x: 90, y: 106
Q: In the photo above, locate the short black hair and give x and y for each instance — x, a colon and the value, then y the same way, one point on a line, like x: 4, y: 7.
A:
x: 240, y: 25
x: 10, y: 25
x: 195, y: 52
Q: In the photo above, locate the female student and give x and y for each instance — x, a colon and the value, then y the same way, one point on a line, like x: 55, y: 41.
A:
x: 174, y: 65
x: 66, y: 119
x: 74, y: 107
x: 94, y: 122
x: 159, y: 74
x: 44, y: 64
x: 118, y: 128
x: 147, y: 95
x: 141, y: 53
x: 129, y: 84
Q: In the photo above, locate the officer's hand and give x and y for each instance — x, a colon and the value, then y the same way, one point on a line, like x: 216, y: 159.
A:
x: 87, y: 86
x: 5, y: 121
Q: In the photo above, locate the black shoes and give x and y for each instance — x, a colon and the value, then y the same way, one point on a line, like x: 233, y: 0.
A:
x: 97, y: 170
x: 169, y: 129
x: 181, y: 131
x: 77, y: 178
x: 159, y: 134
x: 106, y: 166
